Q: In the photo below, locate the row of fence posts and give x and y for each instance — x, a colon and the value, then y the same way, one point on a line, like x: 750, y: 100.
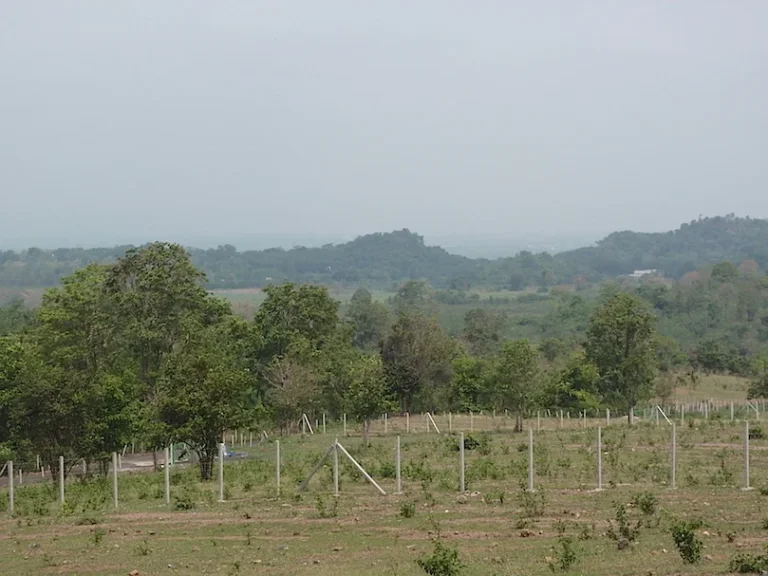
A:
x: 116, y: 468
x: 336, y: 448
x: 429, y: 423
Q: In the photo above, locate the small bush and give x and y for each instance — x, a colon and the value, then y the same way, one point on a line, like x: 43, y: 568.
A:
x: 324, y: 511
x: 744, y: 563
x: 686, y: 542
x: 646, y: 502
x: 97, y: 535
x: 408, y: 509
x: 565, y: 554
x: 87, y: 520
x: 184, y: 502
x: 624, y: 530
x: 444, y: 561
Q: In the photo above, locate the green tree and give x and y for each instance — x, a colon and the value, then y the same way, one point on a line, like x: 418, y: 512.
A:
x: 157, y: 294
x: 621, y: 342
x: 417, y: 355
x: 468, y: 383
x: 369, y: 319
x: 484, y: 331
x: 516, y: 378
x: 368, y: 396
x: 204, y: 388
x: 574, y: 386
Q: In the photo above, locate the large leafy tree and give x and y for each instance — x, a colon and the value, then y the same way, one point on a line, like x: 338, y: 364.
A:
x: 204, y: 387
x: 484, y: 330
x: 157, y: 295
x: 516, y: 378
x: 417, y: 356
x: 370, y: 319
x: 620, y: 342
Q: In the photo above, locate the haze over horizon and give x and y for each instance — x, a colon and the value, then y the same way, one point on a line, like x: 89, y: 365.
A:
x: 123, y: 123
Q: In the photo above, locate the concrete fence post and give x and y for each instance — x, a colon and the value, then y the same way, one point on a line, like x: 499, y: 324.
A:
x: 114, y: 479
x: 746, y: 456
x: 336, y: 468
x: 530, y: 460
x: 277, y: 466
x: 221, y: 472
x: 673, y: 464
x: 538, y: 421
x: 323, y: 422
x: 10, y: 487
x: 599, y: 458
x: 167, y: 475
x: 398, y: 479
x: 61, y: 479
x: 607, y: 416
x: 461, y: 463
x: 344, y: 419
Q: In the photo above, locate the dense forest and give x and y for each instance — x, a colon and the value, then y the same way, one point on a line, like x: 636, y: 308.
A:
x: 386, y: 260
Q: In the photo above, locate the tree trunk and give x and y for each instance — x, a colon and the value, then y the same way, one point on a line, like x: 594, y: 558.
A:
x: 206, y: 459
x: 366, y: 430
x: 519, y: 422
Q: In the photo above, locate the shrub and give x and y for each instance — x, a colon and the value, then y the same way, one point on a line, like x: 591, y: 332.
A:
x: 646, y: 502
x: 744, y: 563
x: 444, y: 561
x: 624, y: 529
x: 408, y: 509
x: 686, y: 542
x: 565, y: 554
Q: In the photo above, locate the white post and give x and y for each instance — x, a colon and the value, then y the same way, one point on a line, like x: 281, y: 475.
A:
x: 538, y: 421
x: 85, y: 467
x: 407, y: 423
x: 37, y: 462
x: 344, y: 418
x: 746, y: 456
x: 250, y: 439
x: 303, y: 425
x: 398, y: 480
x: 10, y: 486
x: 657, y: 415
x: 323, y: 422
x: 119, y: 462
x: 530, y: 460
x: 607, y: 416
x: 461, y: 463
x: 450, y: 422
x: 561, y: 418
x: 114, y: 478
x: 706, y: 410
x: 385, y: 424
x: 673, y: 469
x: 336, y: 468
x: 631, y: 416
x: 167, y: 474
x: 599, y: 458
x: 277, y: 466
x: 61, y: 479
x: 221, y: 472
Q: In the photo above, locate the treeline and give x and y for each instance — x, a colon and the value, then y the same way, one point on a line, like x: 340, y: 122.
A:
x: 138, y: 350
x: 386, y: 260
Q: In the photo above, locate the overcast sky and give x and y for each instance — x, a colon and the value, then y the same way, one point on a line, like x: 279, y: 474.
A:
x: 157, y: 120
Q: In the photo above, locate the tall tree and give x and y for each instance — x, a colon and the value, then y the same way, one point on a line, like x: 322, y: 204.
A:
x: 417, y: 355
x: 204, y: 388
x: 621, y: 342
x: 484, y: 330
x: 516, y: 378
x: 368, y: 396
x: 370, y: 319
x: 157, y: 295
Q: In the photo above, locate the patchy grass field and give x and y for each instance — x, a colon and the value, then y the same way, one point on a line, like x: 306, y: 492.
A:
x: 497, y: 527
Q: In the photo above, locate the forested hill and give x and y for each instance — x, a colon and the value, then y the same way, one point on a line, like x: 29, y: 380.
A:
x: 385, y: 259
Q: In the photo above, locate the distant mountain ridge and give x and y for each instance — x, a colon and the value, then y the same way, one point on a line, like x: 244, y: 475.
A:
x: 384, y: 259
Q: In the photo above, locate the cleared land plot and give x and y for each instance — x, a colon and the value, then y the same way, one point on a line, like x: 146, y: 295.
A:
x: 497, y: 526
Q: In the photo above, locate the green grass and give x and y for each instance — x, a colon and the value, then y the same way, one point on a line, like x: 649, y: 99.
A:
x: 496, y: 527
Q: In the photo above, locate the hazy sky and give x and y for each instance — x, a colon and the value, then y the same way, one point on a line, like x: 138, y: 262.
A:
x: 154, y: 120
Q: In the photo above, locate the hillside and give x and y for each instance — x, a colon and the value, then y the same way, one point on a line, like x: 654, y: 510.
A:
x: 384, y: 259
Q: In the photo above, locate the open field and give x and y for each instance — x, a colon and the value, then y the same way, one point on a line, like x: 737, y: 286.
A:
x: 497, y: 527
